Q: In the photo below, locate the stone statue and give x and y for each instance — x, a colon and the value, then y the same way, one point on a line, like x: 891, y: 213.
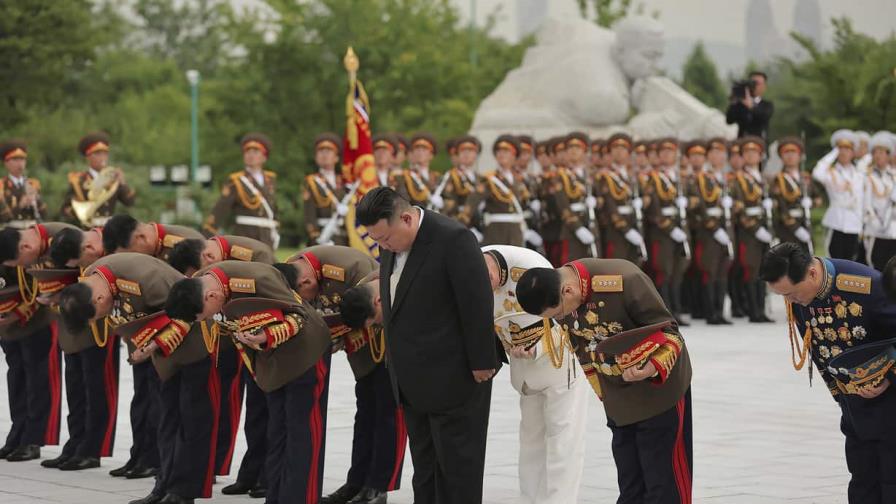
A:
x: 580, y: 76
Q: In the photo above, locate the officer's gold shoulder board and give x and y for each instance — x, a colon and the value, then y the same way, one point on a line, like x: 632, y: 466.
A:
x: 606, y: 283
x: 240, y: 253
x: 333, y: 272
x: 854, y: 283
x: 128, y: 286
x: 171, y: 240
x: 243, y: 285
x: 516, y: 273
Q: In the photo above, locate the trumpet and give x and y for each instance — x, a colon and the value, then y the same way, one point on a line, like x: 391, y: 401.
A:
x: 102, y: 189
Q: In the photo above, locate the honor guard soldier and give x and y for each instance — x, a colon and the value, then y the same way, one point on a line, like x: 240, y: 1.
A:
x: 423, y: 149
x: 462, y: 179
x: 880, y: 226
x: 669, y: 242
x: 288, y: 345
x: 502, y: 196
x: 124, y: 233
x: 635, y: 360
x: 402, y: 150
x: 596, y: 158
x: 323, y: 193
x: 415, y: 183
x: 840, y: 318
x: 20, y: 203
x: 789, y: 190
x: 845, y: 187
x: 713, y: 249
x: 569, y: 205
x: 321, y: 275
x: 249, y: 196
x: 385, y: 149
x: 94, y: 193
x: 553, y: 394
x: 641, y: 163
x: 76, y: 248
x: 752, y: 209
x: 736, y: 290
x: 616, y: 190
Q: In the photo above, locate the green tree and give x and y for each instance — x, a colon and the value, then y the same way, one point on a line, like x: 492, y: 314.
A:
x: 701, y: 79
x: 607, y: 12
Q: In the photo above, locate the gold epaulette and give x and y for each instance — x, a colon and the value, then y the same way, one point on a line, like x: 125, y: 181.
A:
x: 128, y: 286
x: 241, y: 253
x: 332, y: 272
x: 242, y: 285
x: 854, y: 283
x: 320, y: 200
x: 606, y: 283
x: 251, y: 202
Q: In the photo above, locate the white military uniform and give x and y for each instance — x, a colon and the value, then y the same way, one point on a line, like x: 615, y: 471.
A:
x: 553, y: 400
x: 880, y: 200
x: 845, y: 186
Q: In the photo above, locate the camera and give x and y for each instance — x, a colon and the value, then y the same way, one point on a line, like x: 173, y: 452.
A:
x: 739, y: 89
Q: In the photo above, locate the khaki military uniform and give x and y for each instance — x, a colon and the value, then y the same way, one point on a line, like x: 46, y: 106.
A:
x: 241, y: 248
x: 11, y: 195
x: 668, y: 261
x: 320, y: 200
x: 617, y: 216
x: 787, y: 192
x: 79, y: 184
x: 502, y: 220
x: 414, y: 187
x: 251, y: 205
x: 461, y: 184
x: 566, y: 211
x: 711, y: 257
x: 172, y: 234
x: 749, y: 217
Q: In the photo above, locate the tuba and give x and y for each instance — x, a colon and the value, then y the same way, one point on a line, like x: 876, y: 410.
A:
x: 102, y: 189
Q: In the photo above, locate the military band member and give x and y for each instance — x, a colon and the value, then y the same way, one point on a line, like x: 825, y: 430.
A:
x: 20, y: 202
x: 838, y: 308
x: 553, y: 394
x: 385, y: 150
x: 462, y: 179
x: 76, y: 248
x: 416, y: 183
x: 880, y: 226
x: 249, y: 196
x: 289, y: 347
x: 95, y: 149
x: 643, y: 378
x: 567, y: 203
x: 321, y: 275
x: 845, y: 187
x: 616, y: 190
x: 324, y: 191
x: 124, y: 233
x: 790, y: 195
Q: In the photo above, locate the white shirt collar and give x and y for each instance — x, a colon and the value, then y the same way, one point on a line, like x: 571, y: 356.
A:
x: 18, y: 181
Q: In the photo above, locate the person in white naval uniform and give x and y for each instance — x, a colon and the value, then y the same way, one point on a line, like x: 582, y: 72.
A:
x: 845, y: 186
x: 551, y: 384
x: 880, y: 199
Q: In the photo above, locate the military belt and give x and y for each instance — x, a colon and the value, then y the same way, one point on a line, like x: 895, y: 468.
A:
x: 714, y: 212
x: 577, y: 207
x: 753, y: 211
x: 669, y: 211
x: 491, y: 218
x: 262, y: 222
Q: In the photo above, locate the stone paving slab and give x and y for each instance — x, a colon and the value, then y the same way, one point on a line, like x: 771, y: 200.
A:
x: 761, y: 435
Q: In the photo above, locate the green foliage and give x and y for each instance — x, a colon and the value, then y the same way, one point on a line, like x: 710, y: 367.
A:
x: 701, y: 79
x: 607, y: 12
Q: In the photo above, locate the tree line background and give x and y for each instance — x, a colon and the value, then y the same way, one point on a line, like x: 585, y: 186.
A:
x: 70, y: 67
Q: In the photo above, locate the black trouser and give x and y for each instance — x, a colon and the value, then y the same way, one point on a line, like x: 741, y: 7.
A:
x: 870, y: 447
x: 231, y: 388
x: 188, y: 431
x: 297, y: 429
x: 380, y: 436
x: 34, y: 381
x: 256, y: 431
x: 843, y: 246
x: 654, y: 457
x: 145, y: 415
x: 91, y: 391
x: 448, y: 450
x: 882, y: 251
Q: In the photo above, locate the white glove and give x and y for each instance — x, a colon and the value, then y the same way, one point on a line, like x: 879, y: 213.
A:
x: 436, y: 201
x: 532, y: 237
x: 341, y: 209
x: 637, y: 203
x: 727, y: 202
x: 477, y: 234
x: 634, y: 237
x: 722, y: 237
x: 681, y: 202
x: 678, y: 235
x: 591, y: 202
x: 830, y: 156
x: 802, y: 234
x: 806, y: 202
x: 584, y: 235
x: 535, y: 205
x: 768, y: 204
x: 763, y: 235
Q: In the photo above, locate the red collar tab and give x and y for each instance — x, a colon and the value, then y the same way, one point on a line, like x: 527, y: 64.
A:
x: 223, y: 245
x: 314, y: 262
x: 109, y: 277
x: 223, y: 278
x: 584, y: 279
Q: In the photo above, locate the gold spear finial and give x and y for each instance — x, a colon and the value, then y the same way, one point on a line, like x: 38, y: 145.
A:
x: 351, y: 60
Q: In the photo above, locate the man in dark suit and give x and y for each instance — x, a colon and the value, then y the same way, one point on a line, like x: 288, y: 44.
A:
x: 749, y: 111
x: 440, y: 342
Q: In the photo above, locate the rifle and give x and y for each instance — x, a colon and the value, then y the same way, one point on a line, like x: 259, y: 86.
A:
x: 683, y: 215
x: 328, y: 230
x: 595, y: 246
x: 639, y: 215
x: 439, y: 188
x: 726, y: 211
x: 806, y: 201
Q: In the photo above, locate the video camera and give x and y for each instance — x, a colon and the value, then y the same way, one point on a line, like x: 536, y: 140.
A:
x: 739, y: 88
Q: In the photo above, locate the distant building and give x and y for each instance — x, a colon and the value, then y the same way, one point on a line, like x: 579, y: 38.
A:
x: 806, y: 22
x: 763, y: 41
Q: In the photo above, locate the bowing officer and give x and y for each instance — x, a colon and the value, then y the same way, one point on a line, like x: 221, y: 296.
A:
x: 124, y: 233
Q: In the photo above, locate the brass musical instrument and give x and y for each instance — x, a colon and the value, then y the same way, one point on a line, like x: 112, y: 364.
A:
x: 102, y: 189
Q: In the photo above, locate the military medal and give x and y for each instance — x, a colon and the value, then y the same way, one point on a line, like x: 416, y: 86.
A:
x: 855, y: 309
x: 840, y: 309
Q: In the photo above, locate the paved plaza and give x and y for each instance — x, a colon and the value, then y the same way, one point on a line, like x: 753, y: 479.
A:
x: 761, y: 435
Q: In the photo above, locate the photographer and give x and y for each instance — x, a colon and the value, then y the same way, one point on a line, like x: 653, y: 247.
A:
x: 746, y: 107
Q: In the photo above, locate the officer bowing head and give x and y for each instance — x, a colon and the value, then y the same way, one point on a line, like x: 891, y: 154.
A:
x: 545, y: 292
x: 72, y: 248
x: 19, y: 247
x: 197, y: 298
x: 792, y: 273
x: 90, y: 299
x: 361, y: 306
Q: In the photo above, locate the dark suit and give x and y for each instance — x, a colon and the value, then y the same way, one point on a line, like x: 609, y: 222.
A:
x: 750, y: 121
x: 438, y: 330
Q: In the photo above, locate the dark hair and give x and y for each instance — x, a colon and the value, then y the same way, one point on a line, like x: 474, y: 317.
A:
x: 759, y: 73
x: 888, y: 275
x: 538, y: 289
x: 65, y: 246
x: 290, y: 273
x: 9, y: 244
x: 185, y: 300
x: 380, y: 203
x: 187, y: 254
x: 356, y: 306
x: 788, y: 259
x: 76, y: 306
x: 117, y: 233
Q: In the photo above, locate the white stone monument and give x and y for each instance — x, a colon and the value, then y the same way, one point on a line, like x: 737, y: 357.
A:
x: 582, y: 77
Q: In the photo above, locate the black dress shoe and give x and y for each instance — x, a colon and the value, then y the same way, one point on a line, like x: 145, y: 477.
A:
x: 5, y: 451
x: 54, y: 463
x: 174, y: 499
x: 149, y: 499
x: 122, y: 471
x: 238, y: 488
x: 23, y: 453
x: 139, y: 472
x: 258, y: 492
x: 79, y: 464
x: 342, y: 495
x: 369, y: 496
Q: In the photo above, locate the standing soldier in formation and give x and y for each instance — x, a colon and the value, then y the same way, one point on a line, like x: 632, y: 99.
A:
x: 736, y: 289
x: 462, y: 179
x: 402, y: 151
x: 385, y: 148
x: 20, y: 203
x: 880, y: 225
x: 845, y: 187
x: 97, y: 190
x: 567, y: 201
x: 249, y: 196
x: 790, y: 195
x: 323, y: 192
x: 616, y: 190
x: 415, y: 183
